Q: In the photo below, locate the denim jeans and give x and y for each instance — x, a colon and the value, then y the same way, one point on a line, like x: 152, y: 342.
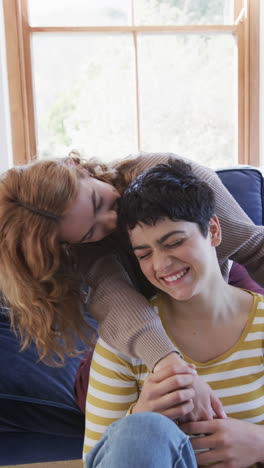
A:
x: 142, y: 440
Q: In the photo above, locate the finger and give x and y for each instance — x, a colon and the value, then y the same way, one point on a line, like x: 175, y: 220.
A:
x: 175, y: 382
x: 179, y: 411
x: 201, y: 415
x: 170, y: 370
x: 209, y: 457
x: 202, y: 410
x: 217, y: 407
x: 199, y: 427
x: 203, y: 442
x: 173, y: 399
x: 193, y: 366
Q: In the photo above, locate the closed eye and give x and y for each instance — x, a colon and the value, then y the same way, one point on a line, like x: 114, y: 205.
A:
x: 143, y: 255
x: 87, y: 237
x: 175, y: 243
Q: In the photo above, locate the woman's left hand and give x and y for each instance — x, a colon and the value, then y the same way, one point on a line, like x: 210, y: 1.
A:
x: 233, y: 443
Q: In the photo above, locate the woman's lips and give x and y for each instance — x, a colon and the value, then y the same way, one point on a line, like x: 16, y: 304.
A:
x: 174, y: 276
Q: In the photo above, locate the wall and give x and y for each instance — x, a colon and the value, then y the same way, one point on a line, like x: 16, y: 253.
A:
x: 261, y: 120
x: 5, y: 125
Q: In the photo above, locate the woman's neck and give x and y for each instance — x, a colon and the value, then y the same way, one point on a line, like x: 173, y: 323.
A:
x: 209, y: 324
x: 213, y: 303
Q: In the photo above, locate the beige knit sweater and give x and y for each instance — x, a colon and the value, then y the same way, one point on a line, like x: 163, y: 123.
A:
x: 126, y: 320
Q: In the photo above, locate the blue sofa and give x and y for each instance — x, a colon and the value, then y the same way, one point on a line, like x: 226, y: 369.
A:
x: 39, y: 419
x: 246, y: 185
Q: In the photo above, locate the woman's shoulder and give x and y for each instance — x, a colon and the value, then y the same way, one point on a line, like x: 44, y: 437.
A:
x: 134, y: 164
x: 104, y: 353
x: 259, y: 303
x: 143, y: 161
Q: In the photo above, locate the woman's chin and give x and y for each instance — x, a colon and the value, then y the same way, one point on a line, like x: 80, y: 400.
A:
x: 181, y: 296
x: 181, y: 293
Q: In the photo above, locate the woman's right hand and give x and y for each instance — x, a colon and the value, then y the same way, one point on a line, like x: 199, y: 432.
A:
x: 168, y: 391
x: 206, y: 405
x: 205, y: 402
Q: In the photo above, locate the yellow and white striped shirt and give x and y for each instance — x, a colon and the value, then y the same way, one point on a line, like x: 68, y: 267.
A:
x: 237, y: 377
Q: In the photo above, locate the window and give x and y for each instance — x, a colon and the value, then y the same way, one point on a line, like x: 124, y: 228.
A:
x: 113, y: 77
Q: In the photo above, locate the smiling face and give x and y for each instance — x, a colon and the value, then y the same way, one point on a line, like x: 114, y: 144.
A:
x: 175, y: 257
x: 92, y: 215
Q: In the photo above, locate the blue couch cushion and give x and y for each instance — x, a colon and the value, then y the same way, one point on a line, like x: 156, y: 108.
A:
x: 37, y: 405
x: 246, y: 186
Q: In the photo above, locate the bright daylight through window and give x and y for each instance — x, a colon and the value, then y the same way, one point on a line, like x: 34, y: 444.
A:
x: 113, y: 77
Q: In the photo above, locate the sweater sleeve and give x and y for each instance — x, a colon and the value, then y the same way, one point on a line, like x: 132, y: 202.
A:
x: 126, y: 319
x: 242, y: 240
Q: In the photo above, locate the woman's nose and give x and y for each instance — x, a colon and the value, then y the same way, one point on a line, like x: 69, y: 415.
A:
x: 161, y: 261
x: 108, y: 220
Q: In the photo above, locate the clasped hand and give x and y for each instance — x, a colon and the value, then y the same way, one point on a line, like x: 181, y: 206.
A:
x: 233, y: 443
x: 168, y: 393
x: 199, y: 405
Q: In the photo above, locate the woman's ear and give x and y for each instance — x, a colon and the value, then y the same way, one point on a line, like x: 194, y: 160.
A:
x: 215, y: 232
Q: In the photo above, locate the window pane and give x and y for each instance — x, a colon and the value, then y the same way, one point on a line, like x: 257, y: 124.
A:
x: 183, y: 12
x: 85, y: 94
x: 79, y: 12
x: 188, y: 95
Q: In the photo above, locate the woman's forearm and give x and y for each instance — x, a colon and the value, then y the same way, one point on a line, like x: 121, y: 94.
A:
x: 126, y: 320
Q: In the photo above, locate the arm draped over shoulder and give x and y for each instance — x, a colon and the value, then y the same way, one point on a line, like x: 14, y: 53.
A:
x: 126, y: 319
